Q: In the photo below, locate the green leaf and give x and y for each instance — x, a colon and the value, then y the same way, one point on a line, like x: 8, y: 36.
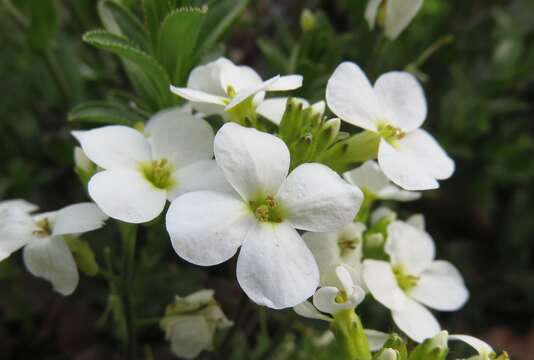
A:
x: 119, y: 20
x: 177, y: 41
x: 274, y: 56
x: 44, y: 23
x: 221, y: 14
x: 83, y: 255
x: 103, y: 112
x: 154, y: 12
x: 146, y: 74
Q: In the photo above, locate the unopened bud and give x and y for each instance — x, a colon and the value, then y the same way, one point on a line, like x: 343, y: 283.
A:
x: 307, y: 20
x: 388, y: 354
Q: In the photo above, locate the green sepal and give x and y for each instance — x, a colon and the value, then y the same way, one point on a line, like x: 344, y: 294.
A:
x: 395, y: 342
x: 83, y: 255
x: 350, y: 335
x: 435, y: 348
x: 347, y: 154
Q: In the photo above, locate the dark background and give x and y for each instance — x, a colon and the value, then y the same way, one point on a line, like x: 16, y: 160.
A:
x: 480, y: 90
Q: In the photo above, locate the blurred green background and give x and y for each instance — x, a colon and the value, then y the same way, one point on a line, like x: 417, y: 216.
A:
x: 480, y: 89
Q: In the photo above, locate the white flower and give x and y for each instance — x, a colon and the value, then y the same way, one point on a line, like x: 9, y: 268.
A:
x: 190, y: 323
x: 20, y: 204
x: 274, y: 268
x: 143, y: 171
x: 220, y: 86
x: 484, y: 350
x: 394, y: 109
x: 46, y: 255
x: 398, y: 14
x: 273, y: 109
x: 370, y: 178
x: 413, y: 279
x: 342, y: 247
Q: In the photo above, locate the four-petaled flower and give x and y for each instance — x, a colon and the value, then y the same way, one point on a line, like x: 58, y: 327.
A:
x: 46, y: 254
x: 411, y: 279
x: 274, y: 268
x: 393, y: 15
x: 394, y: 108
x: 142, y: 170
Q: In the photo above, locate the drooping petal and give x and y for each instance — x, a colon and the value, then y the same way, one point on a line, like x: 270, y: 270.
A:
x: 371, y: 12
x: 252, y: 161
x: 307, y: 310
x: 399, y: 14
x: 286, y: 83
x: 51, y: 259
x: 179, y: 137
x: 189, y: 335
x: 480, y: 346
x: 16, y: 227
x: 416, y: 321
x: 402, y: 94
x: 77, y: 219
x: 19, y: 204
x: 206, y: 227
x: 275, y: 268
x: 351, y: 97
x: 441, y: 287
x: 127, y: 196
x: 199, y: 98
x: 324, y: 300
x: 368, y: 177
x: 250, y: 92
x: 410, y: 247
x: 114, y: 146
x: 381, y: 282
x: 317, y: 199
x: 375, y: 338
x: 202, y: 175
x: 424, y: 150
x: 404, y: 170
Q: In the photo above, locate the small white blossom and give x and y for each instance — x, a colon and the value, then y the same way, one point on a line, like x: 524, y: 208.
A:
x: 142, y: 171
x: 412, y: 279
x: 46, y: 255
x: 371, y: 179
x: 190, y: 323
x: 394, y: 108
x: 275, y: 267
x: 398, y: 14
x: 220, y: 86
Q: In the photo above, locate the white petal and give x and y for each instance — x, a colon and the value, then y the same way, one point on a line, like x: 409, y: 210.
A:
x: 272, y: 109
x: 427, y: 153
x: 252, y: 161
x: 189, y: 335
x: 251, y: 91
x: 392, y: 192
x: 78, y: 218
x: 368, y: 177
x: 239, y: 78
x: 480, y: 346
x: 403, y: 169
x: 288, y: 82
x: 206, y: 227
x: 51, y: 259
x: 114, y: 146
x: 317, y: 199
x: 416, y: 321
x: 351, y: 97
x: 441, y: 287
x: 325, y: 249
x: 202, y: 175
x: 198, y: 96
x: 324, y: 300
x: 127, y: 196
x: 307, y: 310
x: 402, y: 94
x: 345, y: 280
x: 371, y: 12
x: 417, y: 221
x: 399, y: 14
x: 410, y: 247
x: 376, y: 339
x: 179, y: 137
x: 381, y: 282
x: 16, y: 227
x: 19, y: 204
x: 275, y: 268
x: 207, y: 78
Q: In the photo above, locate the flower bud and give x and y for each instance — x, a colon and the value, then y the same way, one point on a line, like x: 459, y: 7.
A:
x: 388, y: 354
x: 307, y: 20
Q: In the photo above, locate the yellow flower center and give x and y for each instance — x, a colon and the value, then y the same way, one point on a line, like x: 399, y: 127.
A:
x: 159, y: 173
x: 390, y: 133
x: 406, y: 281
x: 267, y: 209
x: 42, y: 228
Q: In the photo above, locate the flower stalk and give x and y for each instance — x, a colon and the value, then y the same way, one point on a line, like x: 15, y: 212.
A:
x: 129, y: 237
x: 348, y: 329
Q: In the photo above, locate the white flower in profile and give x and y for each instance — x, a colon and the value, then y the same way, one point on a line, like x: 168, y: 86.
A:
x: 190, y: 323
x: 273, y: 108
x: 46, y: 255
x: 484, y: 350
x: 275, y: 268
x: 220, y: 86
x: 396, y: 15
x: 335, y: 248
x: 143, y: 170
x: 412, y: 279
x: 371, y: 179
x: 394, y: 108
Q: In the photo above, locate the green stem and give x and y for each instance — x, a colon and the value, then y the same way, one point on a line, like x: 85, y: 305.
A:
x: 438, y: 44
x: 349, y: 333
x: 129, y: 235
